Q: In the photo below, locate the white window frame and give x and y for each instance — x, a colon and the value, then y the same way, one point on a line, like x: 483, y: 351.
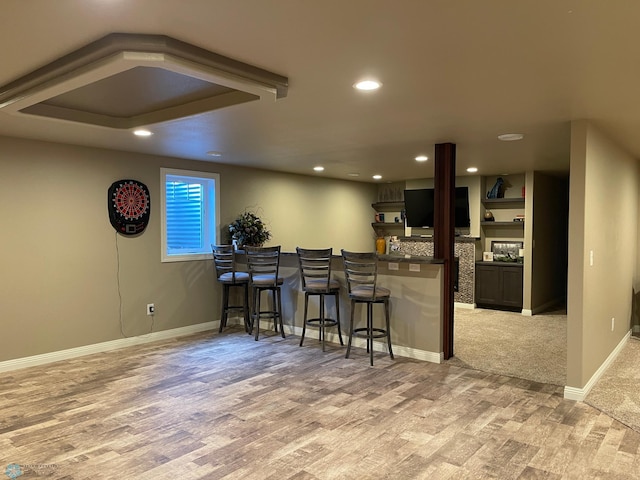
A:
x: 211, y: 212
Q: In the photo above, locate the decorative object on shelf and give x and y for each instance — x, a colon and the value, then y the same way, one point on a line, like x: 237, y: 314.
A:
x: 498, y: 189
x: 394, y: 244
x: 248, y: 229
x: 487, y: 256
x: 488, y: 216
x: 519, y: 218
x: 506, y: 251
x: 381, y: 246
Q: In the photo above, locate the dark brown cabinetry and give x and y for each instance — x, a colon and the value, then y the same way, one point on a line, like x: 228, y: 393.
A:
x: 498, y: 285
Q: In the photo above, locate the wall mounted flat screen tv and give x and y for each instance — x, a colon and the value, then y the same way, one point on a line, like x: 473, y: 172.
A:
x: 419, y: 206
x: 462, y: 208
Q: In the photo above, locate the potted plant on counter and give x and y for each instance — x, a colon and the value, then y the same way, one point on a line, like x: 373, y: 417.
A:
x: 248, y: 229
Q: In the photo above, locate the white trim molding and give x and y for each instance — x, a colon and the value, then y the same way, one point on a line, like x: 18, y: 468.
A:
x: 579, y: 394
x: 45, y: 358
x: 545, y: 306
x: 332, y: 337
x: 378, y: 346
x: 468, y: 306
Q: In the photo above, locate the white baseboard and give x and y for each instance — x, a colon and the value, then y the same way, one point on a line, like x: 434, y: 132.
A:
x: 469, y: 306
x: 105, y: 346
x: 378, y: 346
x: 541, y: 308
x: 332, y: 337
x: 579, y: 394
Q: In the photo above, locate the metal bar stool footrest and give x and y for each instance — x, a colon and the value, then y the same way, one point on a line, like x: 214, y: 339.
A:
x: 363, y: 332
x: 328, y: 322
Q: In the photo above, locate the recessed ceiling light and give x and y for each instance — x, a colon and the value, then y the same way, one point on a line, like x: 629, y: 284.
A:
x: 141, y: 132
x: 472, y: 169
x: 422, y: 158
x: 368, y: 85
x: 510, y: 137
x: 319, y: 168
x: 213, y: 153
x: 377, y: 177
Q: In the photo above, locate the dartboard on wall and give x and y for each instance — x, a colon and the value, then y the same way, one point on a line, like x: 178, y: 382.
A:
x: 129, y: 206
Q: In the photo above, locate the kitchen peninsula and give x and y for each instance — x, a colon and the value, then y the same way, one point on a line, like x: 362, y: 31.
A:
x: 415, y: 282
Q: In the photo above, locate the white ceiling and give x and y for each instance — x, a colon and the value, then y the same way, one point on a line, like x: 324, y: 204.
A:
x: 461, y: 71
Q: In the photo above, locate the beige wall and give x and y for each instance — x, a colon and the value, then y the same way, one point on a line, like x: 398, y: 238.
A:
x: 603, y: 212
x: 68, y: 280
x: 550, y: 214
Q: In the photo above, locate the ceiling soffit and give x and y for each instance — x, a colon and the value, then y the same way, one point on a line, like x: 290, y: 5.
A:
x: 129, y: 80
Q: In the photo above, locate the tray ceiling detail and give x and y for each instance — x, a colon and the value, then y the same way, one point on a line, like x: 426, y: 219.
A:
x: 129, y: 80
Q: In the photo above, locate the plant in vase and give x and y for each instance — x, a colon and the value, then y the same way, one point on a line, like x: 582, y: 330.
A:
x: 248, y: 229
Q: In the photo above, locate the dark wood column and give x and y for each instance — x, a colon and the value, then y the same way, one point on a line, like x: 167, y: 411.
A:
x: 444, y: 233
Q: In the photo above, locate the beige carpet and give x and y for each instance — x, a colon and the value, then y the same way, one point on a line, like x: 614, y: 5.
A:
x: 508, y: 343
x: 617, y: 393
x: 535, y: 348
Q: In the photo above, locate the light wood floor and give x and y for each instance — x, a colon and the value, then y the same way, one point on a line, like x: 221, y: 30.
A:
x: 224, y: 406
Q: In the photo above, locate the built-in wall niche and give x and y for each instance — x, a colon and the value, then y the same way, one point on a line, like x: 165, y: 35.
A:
x: 514, y: 185
x: 506, y: 213
x: 391, y: 192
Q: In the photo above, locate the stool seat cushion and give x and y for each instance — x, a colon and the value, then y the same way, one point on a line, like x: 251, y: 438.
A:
x: 320, y: 285
x: 365, y: 292
x: 265, y: 280
x: 241, y: 277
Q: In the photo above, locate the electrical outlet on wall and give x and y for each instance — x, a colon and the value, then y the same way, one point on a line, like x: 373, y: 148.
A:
x: 151, y: 309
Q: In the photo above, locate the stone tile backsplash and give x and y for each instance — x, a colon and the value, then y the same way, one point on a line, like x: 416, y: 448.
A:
x: 466, y: 253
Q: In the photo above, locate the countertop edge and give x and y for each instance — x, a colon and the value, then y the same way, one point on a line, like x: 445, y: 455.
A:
x: 398, y: 258
x: 496, y: 262
x: 410, y: 259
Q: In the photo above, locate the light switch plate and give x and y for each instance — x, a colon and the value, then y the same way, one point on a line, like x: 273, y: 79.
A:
x: 414, y: 267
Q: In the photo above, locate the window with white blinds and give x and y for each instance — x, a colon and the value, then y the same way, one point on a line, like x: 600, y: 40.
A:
x: 190, y: 214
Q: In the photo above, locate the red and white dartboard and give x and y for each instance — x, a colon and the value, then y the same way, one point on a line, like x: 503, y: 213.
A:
x: 129, y: 206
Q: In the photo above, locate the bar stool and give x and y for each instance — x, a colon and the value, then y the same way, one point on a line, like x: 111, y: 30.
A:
x: 315, y: 274
x: 263, y: 264
x: 361, y: 271
x: 224, y: 257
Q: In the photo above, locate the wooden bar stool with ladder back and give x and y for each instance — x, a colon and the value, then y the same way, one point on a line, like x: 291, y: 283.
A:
x: 224, y: 257
x: 361, y: 272
x: 315, y: 275
x: 263, y: 264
